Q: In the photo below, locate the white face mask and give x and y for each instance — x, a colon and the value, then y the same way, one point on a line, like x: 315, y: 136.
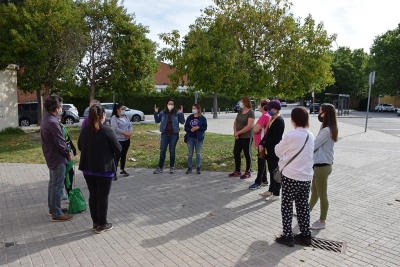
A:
x: 60, y: 112
x: 194, y: 111
x: 240, y: 104
x: 170, y: 107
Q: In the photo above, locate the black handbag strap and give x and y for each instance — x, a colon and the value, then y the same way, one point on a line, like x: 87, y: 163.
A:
x: 308, y: 135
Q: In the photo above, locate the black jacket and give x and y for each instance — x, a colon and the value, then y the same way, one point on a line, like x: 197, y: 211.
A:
x: 98, y: 149
x: 273, y: 136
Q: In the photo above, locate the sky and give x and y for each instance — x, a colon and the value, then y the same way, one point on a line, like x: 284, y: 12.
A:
x: 356, y: 22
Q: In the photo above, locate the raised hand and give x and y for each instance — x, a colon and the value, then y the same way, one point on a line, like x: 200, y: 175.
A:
x: 155, y: 108
x: 181, y: 109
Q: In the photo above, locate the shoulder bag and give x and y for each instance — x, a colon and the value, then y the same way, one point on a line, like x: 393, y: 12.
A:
x: 277, y: 174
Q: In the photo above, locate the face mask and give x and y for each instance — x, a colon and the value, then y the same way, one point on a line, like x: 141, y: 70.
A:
x: 60, y: 112
x: 240, y: 105
x: 170, y: 107
x: 321, y: 119
x: 194, y: 111
x: 122, y: 112
x: 271, y: 113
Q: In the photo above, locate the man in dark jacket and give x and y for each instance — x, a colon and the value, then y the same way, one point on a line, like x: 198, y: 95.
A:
x: 56, y: 154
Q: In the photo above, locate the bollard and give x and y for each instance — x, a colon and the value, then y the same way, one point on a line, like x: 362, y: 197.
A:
x: 219, y: 111
x: 226, y: 110
x: 212, y: 111
x: 204, y: 110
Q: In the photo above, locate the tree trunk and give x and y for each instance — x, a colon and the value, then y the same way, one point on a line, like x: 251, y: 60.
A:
x: 215, y: 106
x: 92, y: 92
x: 39, y: 105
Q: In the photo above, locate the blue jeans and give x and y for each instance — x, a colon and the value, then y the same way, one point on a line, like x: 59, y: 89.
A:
x: 55, y: 189
x: 194, y: 143
x: 171, y: 140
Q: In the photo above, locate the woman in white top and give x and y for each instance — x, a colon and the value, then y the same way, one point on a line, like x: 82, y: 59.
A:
x: 122, y: 127
x: 296, y: 178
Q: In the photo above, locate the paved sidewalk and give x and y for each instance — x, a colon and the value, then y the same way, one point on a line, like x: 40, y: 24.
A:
x: 164, y: 220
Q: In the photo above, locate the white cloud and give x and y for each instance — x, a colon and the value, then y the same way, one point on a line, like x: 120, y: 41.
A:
x: 356, y: 22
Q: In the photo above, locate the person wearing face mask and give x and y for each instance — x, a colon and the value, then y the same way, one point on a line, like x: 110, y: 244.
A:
x: 260, y: 130
x: 275, y: 130
x: 123, y: 129
x: 323, y: 160
x: 169, y: 128
x: 195, y: 126
x: 57, y: 154
x: 243, y: 133
x: 99, y: 146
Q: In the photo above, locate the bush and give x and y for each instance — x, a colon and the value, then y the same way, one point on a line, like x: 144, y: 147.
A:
x: 12, y: 131
x: 145, y: 101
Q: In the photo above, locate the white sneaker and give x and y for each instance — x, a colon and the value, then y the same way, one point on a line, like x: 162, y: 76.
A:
x: 272, y: 198
x: 317, y: 225
x: 266, y: 194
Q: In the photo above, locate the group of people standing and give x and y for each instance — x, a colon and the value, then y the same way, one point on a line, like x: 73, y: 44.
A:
x: 195, y: 127
x: 304, y: 162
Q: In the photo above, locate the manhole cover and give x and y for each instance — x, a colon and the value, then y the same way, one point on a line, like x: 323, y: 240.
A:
x: 328, y: 245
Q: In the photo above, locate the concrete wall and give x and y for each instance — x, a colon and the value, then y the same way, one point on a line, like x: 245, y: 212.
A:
x: 8, y: 97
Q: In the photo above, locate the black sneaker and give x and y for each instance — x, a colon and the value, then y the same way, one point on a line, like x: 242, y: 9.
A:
x: 124, y: 173
x: 285, y: 240
x: 189, y: 170
x: 304, y: 240
x: 104, y: 228
x: 115, y: 176
x: 198, y: 170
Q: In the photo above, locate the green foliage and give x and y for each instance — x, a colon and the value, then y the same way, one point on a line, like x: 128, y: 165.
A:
x: 349, y: 72
x: 11, y: 131
x: 385, y: 61
x: 241, y: 48
x: 44, y: 38
x: 119, y: 57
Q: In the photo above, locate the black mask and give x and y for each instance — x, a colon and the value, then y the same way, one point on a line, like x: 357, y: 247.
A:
x: 321, y: 119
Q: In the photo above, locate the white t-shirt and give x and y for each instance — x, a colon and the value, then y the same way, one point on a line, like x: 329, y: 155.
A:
x: 301, y: 168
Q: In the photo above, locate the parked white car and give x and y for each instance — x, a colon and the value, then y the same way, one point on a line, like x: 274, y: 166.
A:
x: 384, y: 107
x: 398, y: 111
x: 132, y: 114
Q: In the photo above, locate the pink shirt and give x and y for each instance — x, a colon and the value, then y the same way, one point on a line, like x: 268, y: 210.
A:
x: 263, y: 121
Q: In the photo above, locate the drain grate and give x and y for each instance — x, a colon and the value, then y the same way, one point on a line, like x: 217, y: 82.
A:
x: 328, y: 245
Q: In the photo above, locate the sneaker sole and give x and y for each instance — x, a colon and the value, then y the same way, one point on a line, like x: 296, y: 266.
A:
x: 103, y: 230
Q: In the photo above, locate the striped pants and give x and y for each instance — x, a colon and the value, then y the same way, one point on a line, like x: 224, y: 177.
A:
x: 297, y: 191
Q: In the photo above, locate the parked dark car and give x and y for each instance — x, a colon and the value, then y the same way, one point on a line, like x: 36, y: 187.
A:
x: 27, y: 114
x: 314, y: 108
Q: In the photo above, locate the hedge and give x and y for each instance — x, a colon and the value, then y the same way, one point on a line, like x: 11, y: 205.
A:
x: 145, y: 101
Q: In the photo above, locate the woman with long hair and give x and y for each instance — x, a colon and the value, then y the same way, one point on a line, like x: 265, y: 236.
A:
x: 260, y: 130
x: 122, y: 127
x: 275, y: 130
x: 195, y: 126
x: 243, y: 133
x: 170, y: 118
x: 295, y: 154
x: 323, y: 160
x: 99, y: 146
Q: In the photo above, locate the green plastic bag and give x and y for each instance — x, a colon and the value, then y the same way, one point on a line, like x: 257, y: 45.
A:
x: 77, y: 202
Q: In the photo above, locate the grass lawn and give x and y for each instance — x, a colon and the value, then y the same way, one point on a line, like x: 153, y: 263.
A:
x: 17, y: 146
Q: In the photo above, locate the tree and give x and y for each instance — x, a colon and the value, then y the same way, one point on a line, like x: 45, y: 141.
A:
x: 44, y: 38
x: 349, y: 72
x: 385, y: 61
x: 259, y: 48
x: 119, y: 55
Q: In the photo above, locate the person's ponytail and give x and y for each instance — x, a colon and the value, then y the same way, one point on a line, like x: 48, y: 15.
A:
x: 95, y: 115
